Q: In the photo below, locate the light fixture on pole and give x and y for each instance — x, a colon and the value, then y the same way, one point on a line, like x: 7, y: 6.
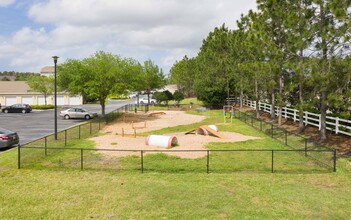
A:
x: 55, y: 98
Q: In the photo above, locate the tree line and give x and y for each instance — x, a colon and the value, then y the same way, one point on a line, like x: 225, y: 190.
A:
x: 287, y: 52
x: 16, y: 76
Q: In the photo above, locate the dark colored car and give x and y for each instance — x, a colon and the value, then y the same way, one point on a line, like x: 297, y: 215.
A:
x: 17, y: 108
x: 8, y: 138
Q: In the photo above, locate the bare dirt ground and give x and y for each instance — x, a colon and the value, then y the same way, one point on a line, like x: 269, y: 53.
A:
x: 112, y: 138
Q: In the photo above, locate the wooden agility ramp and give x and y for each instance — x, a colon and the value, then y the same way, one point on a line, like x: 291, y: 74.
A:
x: 208, y: 129
x: 213, y: 132
x: 156, y: 113
x: 191, y: 131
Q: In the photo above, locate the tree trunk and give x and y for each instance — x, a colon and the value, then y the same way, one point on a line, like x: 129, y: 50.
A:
x: 273, y: 106
x: 323, y: 133
x: 188, y: 93
x: 241, y: 94
x: 301, y: 124
x: 323, y: 109
x: 281, y: 85
x: 102, y: 104
x: 228, y: 102
x: 257, y: 100
x: 241, y: 99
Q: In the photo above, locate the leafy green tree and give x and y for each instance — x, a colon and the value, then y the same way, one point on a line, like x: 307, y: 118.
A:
x: 332, y: 39
x: 72, y: 76
x: 183, y: 74
x: 300, y: 35
x: 25, y: 76
x: 137, y: 80
x: 169, y: 95
x: 178, y: 96
x: 164, y: 96
x: 98, y: 76
x: 252, y: 57
x: 18, y: 76
x: 151, y: 78
x: 239, y: 50
x: 129, y: 70
x: 42, y: 84
x: 160, y: 97
x: 291, y: 52
x: 214, y: 73
x: 274, y: 14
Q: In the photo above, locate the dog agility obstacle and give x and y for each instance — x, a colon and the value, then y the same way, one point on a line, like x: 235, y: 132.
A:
x: 138, y: 127
x: 128, y: 134
x: 228, y: 112
x: 205, y: 130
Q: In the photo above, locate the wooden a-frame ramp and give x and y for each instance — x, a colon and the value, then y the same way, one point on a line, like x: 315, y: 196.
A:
x: 208, y: 129
x: 191, y: 131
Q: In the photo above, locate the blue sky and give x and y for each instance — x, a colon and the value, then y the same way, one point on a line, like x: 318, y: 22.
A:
x: 32, y: 31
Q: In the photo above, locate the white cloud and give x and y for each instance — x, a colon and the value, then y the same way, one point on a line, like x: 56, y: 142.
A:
x: 5, y: 3
x: 136, y: 13
x: 27, y: 36
x: 177, y: 55
x: 163, y: 31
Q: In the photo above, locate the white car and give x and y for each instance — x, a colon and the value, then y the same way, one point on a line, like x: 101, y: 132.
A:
x: 133, y: 95
x: 144, y: 101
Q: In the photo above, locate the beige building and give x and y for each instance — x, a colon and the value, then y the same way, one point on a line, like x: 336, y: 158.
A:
x: 47, y: 71
x: 15, y: 92
x: 170, y: 87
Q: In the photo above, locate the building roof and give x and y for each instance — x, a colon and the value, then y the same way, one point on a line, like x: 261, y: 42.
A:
x: 170, y: 87
x: 19, y: 88
x: 14, y: 87
x: 47, y: 69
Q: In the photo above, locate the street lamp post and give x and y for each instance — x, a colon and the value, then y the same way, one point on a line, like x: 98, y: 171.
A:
x: 55, y: 91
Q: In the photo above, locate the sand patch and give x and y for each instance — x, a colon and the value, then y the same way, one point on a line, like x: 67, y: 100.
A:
x: 156, y: 122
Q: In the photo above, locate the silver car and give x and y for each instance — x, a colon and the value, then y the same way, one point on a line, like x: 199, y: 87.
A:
x: 77, y: 113
x: 8, y: 138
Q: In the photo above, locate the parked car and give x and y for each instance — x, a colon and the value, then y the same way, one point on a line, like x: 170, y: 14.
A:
x: 8, y: 138
x: 17, y: 108
x: 144, y: 100
x: 133, y: 95
x: 77, y: 113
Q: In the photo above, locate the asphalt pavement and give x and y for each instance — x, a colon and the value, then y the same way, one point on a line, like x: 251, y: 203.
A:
x: 40, y: 123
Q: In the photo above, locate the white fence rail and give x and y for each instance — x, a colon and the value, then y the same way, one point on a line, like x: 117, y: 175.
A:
x: 338, y: 125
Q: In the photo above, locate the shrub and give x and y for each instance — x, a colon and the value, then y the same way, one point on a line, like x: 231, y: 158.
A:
x: 160, y: 97
x: 169, y: 95
x: 178, y: 96
x: 42, y: 106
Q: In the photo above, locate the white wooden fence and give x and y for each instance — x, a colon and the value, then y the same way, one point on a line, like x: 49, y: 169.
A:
x: 338, y: 125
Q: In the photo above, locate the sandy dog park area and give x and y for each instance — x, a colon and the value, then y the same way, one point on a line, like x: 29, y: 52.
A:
x: 112, y: 137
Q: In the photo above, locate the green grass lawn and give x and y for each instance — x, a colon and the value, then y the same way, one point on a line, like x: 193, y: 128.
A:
x: 239, y: 185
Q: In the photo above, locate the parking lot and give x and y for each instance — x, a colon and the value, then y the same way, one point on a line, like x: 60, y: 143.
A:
x: 40, y: 123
